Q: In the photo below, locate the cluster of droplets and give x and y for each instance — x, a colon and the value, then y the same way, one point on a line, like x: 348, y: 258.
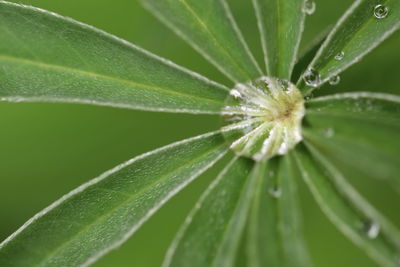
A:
x: 263, y: 118
x: 312, y: 77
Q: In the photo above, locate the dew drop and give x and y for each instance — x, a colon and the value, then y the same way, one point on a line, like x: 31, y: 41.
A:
x: 312, y: 78
x: 329, y: 132
x: 309, y: 7
x: 334, y: 80
x: 339, y: 56
x: 260, y: 115
x: 275, y: 191
x: 380, y: 11
x: 371, y: 229
x: 284, y: 84
x: 235, y: 93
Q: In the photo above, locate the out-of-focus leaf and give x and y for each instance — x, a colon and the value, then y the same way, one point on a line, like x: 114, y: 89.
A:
x: 47, y: 57
x: 212, y: 232
x: 347, y: 210
x: 365, y: 25
x: 358, y: 130
x: 281, y: 24
x: 101, y: 214
x: 274, y: 228
x: 209, y: 27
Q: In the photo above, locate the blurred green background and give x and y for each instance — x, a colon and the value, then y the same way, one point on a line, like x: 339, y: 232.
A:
x: 49, y: 149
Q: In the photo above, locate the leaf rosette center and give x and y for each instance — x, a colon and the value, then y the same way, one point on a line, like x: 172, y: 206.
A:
x: 263, y: 118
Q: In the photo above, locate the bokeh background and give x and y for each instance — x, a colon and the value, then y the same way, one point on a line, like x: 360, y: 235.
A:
x: 47, y: 150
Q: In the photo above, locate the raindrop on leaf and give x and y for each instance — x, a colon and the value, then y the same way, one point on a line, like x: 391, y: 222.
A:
x: 235, y: 93
x: 275, y: 191
x: 312, y: 78
x: 329, y: 132
x: 334, y: 80
x: 309, y: 7
x: 380, y: 11
x: 339, y: 56
x: 371, y: 229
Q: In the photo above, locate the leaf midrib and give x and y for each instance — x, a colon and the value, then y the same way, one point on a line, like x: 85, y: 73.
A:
x: 40, y: 64
x: 138, y: 193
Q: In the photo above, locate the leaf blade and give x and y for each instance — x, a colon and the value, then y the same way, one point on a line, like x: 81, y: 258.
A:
x: 220, y: 216
x: 356, y: 34
x: 274, y: 232
x: 47, y: 57
x: 358, y: 131
x: 347, y: 210
x: 108, y: 209
x: 280, y: 24
x: 208, y: 26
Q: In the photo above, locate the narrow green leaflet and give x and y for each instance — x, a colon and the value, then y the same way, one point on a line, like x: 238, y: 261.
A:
x: 308, y: 53
x: 212, y: 232
x: 365, y: 25
x: 358, y: 131
x: 209, y: 27
x: 47, y: 57
x: 101, y: 214
x: 358, y: 220
x: 274, y: 236
x: 281, y: 24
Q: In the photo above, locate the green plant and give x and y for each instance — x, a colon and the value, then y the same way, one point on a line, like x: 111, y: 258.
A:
x: 45, y: 57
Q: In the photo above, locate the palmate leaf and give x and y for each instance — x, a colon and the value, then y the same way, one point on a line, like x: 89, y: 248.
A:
x: 209, y: 27
x: 358, y: 130
x: 355, y: 34
x: 47, y: 57
x: 274, y: 235
x: 281, y: 24
x: 358, y: 220
x: 101, y: 214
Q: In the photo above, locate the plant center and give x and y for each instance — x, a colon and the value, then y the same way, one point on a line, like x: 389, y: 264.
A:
x: 263, y: 118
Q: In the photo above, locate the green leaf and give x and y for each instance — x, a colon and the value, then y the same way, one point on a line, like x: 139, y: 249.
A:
x: 308, y: 53
x: 103, y: 213
x: 274, y: 236
x: 47, y: 57
x: 213, y: 230
x: 358, y: 131
x: 355, y: 34
x: 281, y: 24
x: 209, y: 27
x: 347, y: 210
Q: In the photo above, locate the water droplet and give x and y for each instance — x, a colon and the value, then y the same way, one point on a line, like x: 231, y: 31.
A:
x: 235, y: 93
x: 334, y: 80
x: 371, y: 229
x: 260, y: 115
x: 339, y: 56
x: 312, y: 78
x: 309, y: 7
x: 329, y: 132
x: 284, y: 84
x: 275, y: 191
x: 380, y: 11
